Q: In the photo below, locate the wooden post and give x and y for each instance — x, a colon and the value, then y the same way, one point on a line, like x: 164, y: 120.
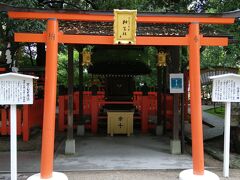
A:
x: 195, y: 93
x: 70, y: 92
x: 4, y: 122
x: 94, y: 113
x: 61, y: 114
x: 182, y: 124
x: 175, y: 56
x: 186, y: 81
x: 144, y: 116
x: 182, y: 105
x: 19, y: 121
x: 164, y: 90
x: 81, y: 89
x: 159, y: 95
x: 25, y: 122
x: 49, y: 99
x: 175, y: 117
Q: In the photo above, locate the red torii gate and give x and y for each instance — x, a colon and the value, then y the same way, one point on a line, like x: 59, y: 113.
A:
x: 194, y: 40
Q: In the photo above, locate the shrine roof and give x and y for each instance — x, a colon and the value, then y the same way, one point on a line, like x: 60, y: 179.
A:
x: 215, y: 71
x: 119, y: 68
x: 143, y: 29
x: 119, y: 61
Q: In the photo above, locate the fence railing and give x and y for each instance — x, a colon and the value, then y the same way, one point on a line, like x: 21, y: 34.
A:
x: 28, y: 116
x: 145, y: 105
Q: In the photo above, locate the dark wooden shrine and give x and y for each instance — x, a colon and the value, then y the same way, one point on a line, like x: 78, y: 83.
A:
x: 119, y: 88
x: 118, y: 66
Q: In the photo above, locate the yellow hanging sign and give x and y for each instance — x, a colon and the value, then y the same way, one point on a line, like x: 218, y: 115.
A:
x: 86, y: 57
x: 162, y: 57
x: 125, y: 26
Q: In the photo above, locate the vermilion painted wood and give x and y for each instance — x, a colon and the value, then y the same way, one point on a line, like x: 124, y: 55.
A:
x: 61, y: 114
x: 151, y: 109
x: 48, y: 133
x: 213, y: 41
x: 61, y: 16
x: 184, y: 19
x: 4, y: 122
x: 32, y: 117
x: 195, y: 100
x: 25, y: 122
x: 108, y: 40
x: 19, y: 122
x: 2, y: 69
x: 109, y: 18
x: 94, y: 114
x: 144, y: 114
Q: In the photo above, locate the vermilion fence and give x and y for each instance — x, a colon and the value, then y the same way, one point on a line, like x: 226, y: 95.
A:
x: 146, y: 106
x: 5, y: 122
x: 28, y: 116
x: 32, y: 117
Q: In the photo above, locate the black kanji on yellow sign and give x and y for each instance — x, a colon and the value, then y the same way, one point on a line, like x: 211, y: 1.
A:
x: 125, y: 26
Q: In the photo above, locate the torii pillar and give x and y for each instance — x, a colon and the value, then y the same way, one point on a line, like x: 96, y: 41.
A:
x: 48, y: 133
x: 198, y: 172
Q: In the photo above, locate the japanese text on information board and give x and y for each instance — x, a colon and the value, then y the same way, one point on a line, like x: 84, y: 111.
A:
x: 16, y: 91
x: 226, y: 90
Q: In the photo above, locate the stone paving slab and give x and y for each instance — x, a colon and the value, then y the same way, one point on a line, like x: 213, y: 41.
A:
x: 121, y: 153
x: 215, y: 128
x: 106, y: 153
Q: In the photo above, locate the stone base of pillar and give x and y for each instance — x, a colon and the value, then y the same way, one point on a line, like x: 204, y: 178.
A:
x: 55, y: 176
x: 159, y: 130
x: 175, y: 146
x: 80, y: 130
x: 70, y: 146
x: 188, y: 175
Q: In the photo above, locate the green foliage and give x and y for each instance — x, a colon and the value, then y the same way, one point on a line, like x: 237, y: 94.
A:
x: 217, y: 6
x: 223, y: 56
x: 9, y: 26
x: 220, y: 56
x: 217, y: 111
x: 63, y: 68
x: 151, y: 56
